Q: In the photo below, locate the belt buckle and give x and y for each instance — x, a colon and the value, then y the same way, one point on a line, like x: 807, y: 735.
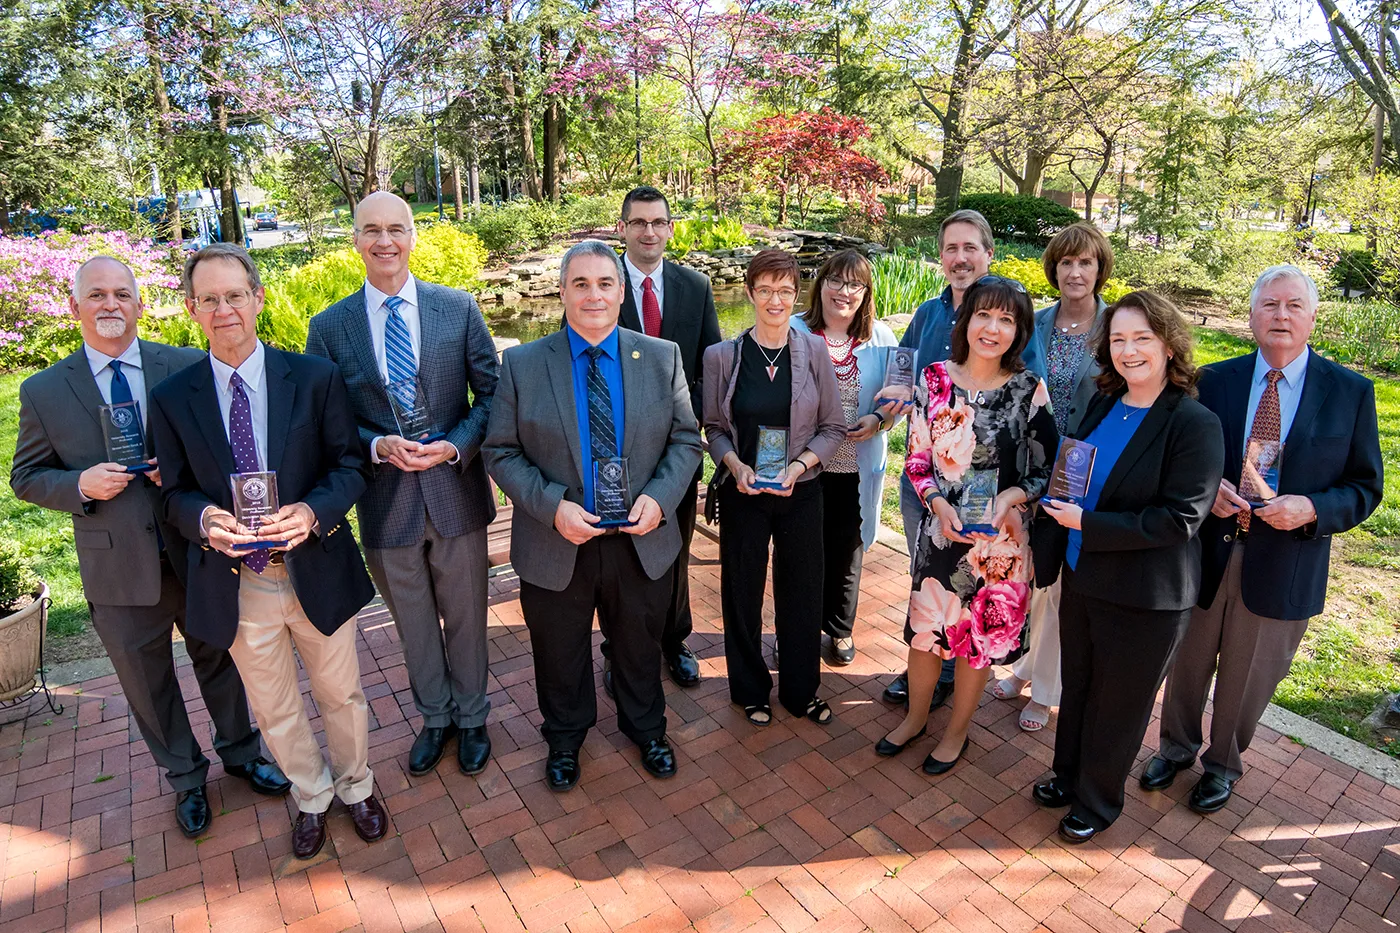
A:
x: 277, y: 557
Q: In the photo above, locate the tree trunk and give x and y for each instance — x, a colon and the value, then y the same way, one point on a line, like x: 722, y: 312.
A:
x: 1036, y: 160
x: 174, y: 230
x: 553, y: 118
x: 474, y: 180
x: 513, y: 89
x: 782, y: 205
x: 456, y: 188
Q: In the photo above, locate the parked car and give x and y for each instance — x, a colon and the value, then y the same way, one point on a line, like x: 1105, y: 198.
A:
x: 265, y: 220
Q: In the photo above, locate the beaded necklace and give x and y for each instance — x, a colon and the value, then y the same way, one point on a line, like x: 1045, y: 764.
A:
x: 843, y: 354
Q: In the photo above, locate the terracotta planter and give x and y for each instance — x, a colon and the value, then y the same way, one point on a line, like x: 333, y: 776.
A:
x: 22, y: 646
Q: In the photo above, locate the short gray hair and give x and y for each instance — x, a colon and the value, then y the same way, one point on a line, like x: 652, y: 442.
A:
x: 231, y: 252
x: 589, y: 248
x: 78, y: 275
x: 968, y: 216
x: 1284, y: 270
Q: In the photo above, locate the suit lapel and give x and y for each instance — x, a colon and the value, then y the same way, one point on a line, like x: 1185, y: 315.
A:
x: 670, y: 307
x: 1316, y: 385
x: 631, y: 316
x: 429, y: 331
x: 84, y: 386
x: 281, y: 393
x: 561, y: 379
x: 1153, y: 423
x: 1236, y: 386
x: 154, y: 368
x: 204, y: 406
x: 633, y: 400
x: 357, y: 329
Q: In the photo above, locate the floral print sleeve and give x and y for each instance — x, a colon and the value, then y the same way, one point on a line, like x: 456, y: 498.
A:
x: 941, y: 437
x: 1042, y: 444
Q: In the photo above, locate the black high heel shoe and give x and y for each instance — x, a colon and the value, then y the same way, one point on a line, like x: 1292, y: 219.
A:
x: 887, y: 749
x: 933, y: 766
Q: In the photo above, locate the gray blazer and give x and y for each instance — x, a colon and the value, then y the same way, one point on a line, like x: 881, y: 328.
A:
x: 533, y: 451
x: 816, y: 420
x: 456, y: 353
x: 59, y: 437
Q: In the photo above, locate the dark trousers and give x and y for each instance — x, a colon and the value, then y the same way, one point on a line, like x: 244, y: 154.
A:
x: 1112, y: 662
x: 794, y: 526
x: 631, y: 610
x: 844, y: 550
x: 138, y: 642
x: 679, y: 623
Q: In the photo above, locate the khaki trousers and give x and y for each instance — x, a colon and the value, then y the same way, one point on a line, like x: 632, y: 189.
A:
x: 1041, y: 662
x: 270, y: 623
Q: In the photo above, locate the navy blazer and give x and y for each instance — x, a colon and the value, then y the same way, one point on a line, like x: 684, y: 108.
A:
x: 1332, y: 455
x: 312, y: 444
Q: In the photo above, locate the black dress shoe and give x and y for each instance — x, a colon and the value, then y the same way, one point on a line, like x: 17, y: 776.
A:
x: 1210, y: 793
x: 1051, y: 794
x: 897, y: 691
x: 843, y: 651
x: 262, y: 775
x: 428, y: 748
x: 607, y: 680
x: 941, y: 692
x: 658, y: 758
x: 684, y: 666
x: 933, y: 766
x: 888, y: 749
x: 1074, y: 830
x: 308, y: 834
x: 192, y: 811
x: 561, y: 770
x: 1161, y: 772
x: 473, y: 749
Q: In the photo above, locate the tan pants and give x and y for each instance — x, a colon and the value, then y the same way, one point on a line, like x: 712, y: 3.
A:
x: 270, y: 622
x: 1041, y: 662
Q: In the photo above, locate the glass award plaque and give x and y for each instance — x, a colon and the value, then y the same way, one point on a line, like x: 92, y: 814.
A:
x: 254, y: 504
x: 121, y: 430
x: 1259, y: 481
x: 1073, y: 466
x: 772, y: 459
x: 978, y: 501
x: 415, y: 422
x: 899, y: 377
x: 612, y: 493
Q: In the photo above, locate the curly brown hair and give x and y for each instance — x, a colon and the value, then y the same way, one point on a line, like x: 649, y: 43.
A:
x: 850, y: 265
x: 1167, y: 323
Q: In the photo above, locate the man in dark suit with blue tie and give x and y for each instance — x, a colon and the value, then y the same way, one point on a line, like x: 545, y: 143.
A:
x: 297, y: 578
x: 130, y: 559
x: 1268, y: 540
x: 425, y: 513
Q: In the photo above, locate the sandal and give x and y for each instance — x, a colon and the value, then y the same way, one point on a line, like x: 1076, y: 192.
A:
x: 760, y: 715
x: 819, y: 712
x: 1002, y: 689
x: 1033, y: 720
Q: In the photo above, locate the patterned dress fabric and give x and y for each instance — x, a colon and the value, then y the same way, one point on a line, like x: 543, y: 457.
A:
x: 1066, y: 353
x: 970, y: 601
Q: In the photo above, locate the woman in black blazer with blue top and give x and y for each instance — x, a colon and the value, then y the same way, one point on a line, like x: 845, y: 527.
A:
x: 1130, y: 554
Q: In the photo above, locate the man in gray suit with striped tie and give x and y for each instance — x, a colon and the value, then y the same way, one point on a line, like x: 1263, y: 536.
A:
x: 423, y: 518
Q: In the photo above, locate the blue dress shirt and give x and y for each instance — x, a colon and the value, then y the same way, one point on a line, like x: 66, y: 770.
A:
x: 930, y: 333
x: 1290, y: 392
x: 611, y: 368
x: 1110, y: 436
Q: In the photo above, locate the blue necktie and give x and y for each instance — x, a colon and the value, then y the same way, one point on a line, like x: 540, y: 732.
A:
x: 601, y: 431
x: 245, y: 450
x: 120, y: 392
x: 398, y: 353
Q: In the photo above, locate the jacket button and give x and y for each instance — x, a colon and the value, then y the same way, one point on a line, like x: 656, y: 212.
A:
x: 579, y: 490
x: 1227, y: 537
x: 150, y: 527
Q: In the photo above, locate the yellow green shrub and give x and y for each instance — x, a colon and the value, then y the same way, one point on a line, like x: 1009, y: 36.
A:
x: 1031, y: 273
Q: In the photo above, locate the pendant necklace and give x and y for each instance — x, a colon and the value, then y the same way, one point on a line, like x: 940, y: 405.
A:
x: 1130, y: 410
x: 772, y: 366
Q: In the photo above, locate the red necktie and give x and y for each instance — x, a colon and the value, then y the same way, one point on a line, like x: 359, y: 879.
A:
x: 1266, y: 427
x: 651, y: 309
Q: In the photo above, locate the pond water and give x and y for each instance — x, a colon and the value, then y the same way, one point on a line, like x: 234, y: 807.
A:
x: 530, y: 318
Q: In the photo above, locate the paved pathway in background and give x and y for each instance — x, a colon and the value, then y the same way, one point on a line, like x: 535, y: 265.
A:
x: 790, y: 828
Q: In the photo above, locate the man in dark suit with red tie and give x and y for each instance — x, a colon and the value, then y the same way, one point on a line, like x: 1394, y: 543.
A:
x: 1266, y: 545
x: 662, y: 299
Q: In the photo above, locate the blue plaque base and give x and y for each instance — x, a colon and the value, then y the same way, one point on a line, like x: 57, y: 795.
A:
x: 431, y: 438
x: 614, y: 523
x: 259, y: 545
x: 766, y: 484
x: 979, y: 529
x: 140, y: 468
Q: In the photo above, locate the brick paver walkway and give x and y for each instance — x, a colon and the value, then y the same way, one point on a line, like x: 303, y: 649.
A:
x: 794, y: 827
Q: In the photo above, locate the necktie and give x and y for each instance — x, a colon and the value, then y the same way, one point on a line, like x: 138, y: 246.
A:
x: 121, y: 392
x: 651, y: 309
x: 245, y: 450
x: 1267, y: 424
x: 398, y: 353
x: 603, y: 436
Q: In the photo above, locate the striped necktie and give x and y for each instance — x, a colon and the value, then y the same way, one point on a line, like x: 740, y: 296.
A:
x: 602, y: 433
x: 398, y: 353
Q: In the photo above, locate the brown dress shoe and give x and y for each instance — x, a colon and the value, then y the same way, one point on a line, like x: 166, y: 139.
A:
x: 308, y: 834
x: 369, y: 818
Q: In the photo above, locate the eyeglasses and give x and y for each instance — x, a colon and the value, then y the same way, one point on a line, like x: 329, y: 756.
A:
x: 840, y: 285
x: 235, y: 300
x: 642, y: 226
x: 782, y: 294
x: 396, y: 232
x: 1012, y: 284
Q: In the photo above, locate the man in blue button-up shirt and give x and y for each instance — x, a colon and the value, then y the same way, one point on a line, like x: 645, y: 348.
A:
x: 965, y: 247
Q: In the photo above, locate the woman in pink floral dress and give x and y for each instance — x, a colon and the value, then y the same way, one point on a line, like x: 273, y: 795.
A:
x: 979, y: 411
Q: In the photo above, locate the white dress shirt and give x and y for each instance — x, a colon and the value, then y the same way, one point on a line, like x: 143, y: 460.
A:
x: 635, y: 277
x: 130, y: 361
x: 1290, y: 392
x: 253, y: 372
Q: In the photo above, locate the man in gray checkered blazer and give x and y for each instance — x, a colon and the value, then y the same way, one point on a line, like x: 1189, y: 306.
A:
x: 423, y: 518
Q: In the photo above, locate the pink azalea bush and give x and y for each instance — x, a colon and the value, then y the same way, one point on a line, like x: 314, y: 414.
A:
x: 36, y: 276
